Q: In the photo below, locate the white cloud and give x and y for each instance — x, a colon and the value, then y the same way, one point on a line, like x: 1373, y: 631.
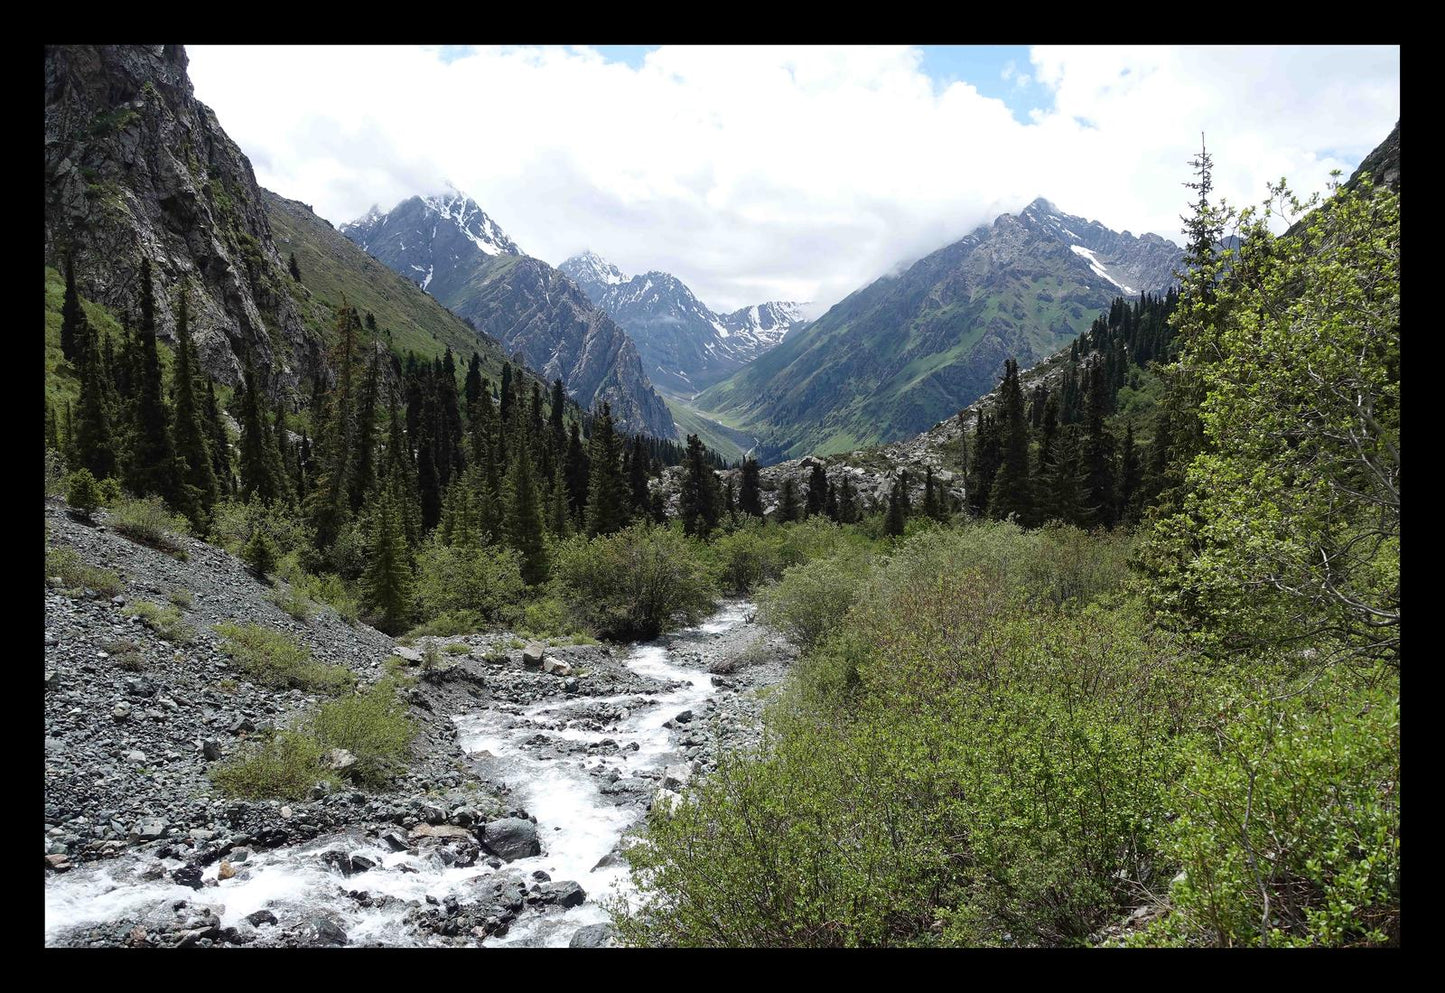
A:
x: 785, y: 173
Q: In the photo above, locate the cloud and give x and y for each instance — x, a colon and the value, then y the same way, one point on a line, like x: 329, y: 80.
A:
x: 785, y: 172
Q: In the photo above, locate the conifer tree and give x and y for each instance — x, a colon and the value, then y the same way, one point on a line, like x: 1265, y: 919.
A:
x: 293, y: 268
x: 789, y: 507
x: 400, y: 476
x: 817, y: 490
x: 730, y: 503
x: 638, y: 495
x: 52, y: 431
x: 830, y: 505
x: 1065, y: 482
x: 523, y: 507
x: 386, y: 583
x: 1099, y: 468
x: 73, y: 326
x: 749, y: 496
x: 1130, y: 478
x: 278, y: 449
x: 577, y: 476
x: 897, y: 516
x: 150, y: 464
x: 194, y: 461
x: 506, y: 394
x: 256, y: 462
x: 364, y: 471
x: 606, y: 494
x: 1011, y: 493
x: 559, y: 511
x: 847, y: 502
x: 217, y: 443
x: 94, y: 443
x: 333, y: 448
x: 472, y: 392
x: 698, y: 501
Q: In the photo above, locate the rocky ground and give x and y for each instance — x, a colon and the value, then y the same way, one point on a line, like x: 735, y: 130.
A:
x: 134, y: 722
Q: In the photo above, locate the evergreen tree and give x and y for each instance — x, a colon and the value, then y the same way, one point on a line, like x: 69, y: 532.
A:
x: 386, y: 582
x: 218, y: 443
x: 1011, y: 494
x: 750, y: 497
x: 256, y: 466
x: 523, y: 507
x: 334, y: 442
x: 607, y: 490
x: 1130, y: 478
x: 294, y: 269
x: 93, y: 444
x: 52, y: 430
x: 195, y: 462
x: 698, y: 502
x: 1065, y: 482
x: 150, y: 464
x: 559, y: 511
x: 789, y: 507
x: 474, y: 385
x: 364, y: 462
x: 897, y: 516
x: 577, y: 475
x: 847, y: 502
x: 640, y: 498
x: 1099, y: 468
x: 399, y: 475
x: 817, y: 490
x: 73, y: 326
x: 830, y: 505
x: 506, y: 393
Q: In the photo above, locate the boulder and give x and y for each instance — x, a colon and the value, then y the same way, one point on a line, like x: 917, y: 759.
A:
x: 210, y: 749
x: 564, y: 894
x: 511, y: 838
x: 261, y: 917
x: 339, y: 760
x: 429, y: 831
x: 593, y: 936
x: 149, y: 828
x: 675, y: 777
x: 556, y: 667
x: 534, y: 654
x: 409, y: 654
x: 226, y: 871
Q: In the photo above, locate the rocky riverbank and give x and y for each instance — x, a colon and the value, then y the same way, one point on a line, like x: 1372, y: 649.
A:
x: 141, y: 849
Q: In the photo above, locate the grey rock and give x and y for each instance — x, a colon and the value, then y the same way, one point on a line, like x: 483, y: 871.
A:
x: 511, y: 838
x: 593, y: 936
x: 534, y: 654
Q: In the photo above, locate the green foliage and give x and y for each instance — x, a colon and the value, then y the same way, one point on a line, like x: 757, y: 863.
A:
x: 259, y: 553
x: 285, y: 767
x: 235, y: 522
x: 372, y: 725
x: 76, y: 574
x: 293, y: 602
x: 272, y: 658
x: 1289, y: 823
x: 457, y: 648
x: 180, y: 599
x: 147, y: 521
x: 484, y: 581
x: 83, y: 493
x: 164, y: 621
x: 810, y: 600
x: 634, y: 583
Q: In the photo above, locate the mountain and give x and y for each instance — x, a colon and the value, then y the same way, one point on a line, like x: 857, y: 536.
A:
x: 452, y: 249
x: 333, y: 269
x: 136, y: 167
x: 685, y: 346
x: 913, y: 348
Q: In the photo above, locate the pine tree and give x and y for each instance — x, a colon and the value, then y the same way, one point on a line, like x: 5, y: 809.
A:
x: 897, y: 516
x: 195, y: 463
x: 293, y: 268
x: 472, y: 392
x: 1130, y: 478
x: 93, y: 441
x: 73, y: 326
x: 399, y: 475
x: 559, y: 511
x: 639, y: 497
x: 330, y: 498
x: 523, y: 510
x: 1065, y: 482
x: 1012, y: 492
x: 150, y: 464
x: 847, y: 502
x: 577, y: 475
x: 698, y: 503
x: 750, y: 497
x: 1098, y: 454
x: 364, y: 458
x: 606, y: 494
x: 218, y: 443
x: 817, y: 490
x: 256, y: 462
x: 387, y: 581
x: 789, y: 507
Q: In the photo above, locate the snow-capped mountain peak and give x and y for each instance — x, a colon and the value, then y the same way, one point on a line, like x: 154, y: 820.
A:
x: 1127, y: 263
x: 471, y: 220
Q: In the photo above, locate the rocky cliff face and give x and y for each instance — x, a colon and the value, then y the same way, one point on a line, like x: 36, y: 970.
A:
x: 685, y: 346
x: 136, y: 167
x: 450, y: 247
x: 913, y: 348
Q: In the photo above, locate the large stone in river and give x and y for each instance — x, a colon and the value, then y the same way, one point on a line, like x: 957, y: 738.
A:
x: 511, y: 838
x: 593, y: 936
x: 438, y: 831
x: 532, y: 655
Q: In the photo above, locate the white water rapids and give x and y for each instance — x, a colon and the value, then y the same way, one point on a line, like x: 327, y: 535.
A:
x: 576, y: 824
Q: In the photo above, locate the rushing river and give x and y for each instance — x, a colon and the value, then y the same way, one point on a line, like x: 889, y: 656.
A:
x: 576, y: 824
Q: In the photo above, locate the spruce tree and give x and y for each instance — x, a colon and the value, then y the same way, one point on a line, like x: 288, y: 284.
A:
x: 255, y: 462
x: 195, y: 463
x: 364, y: 459
x: 1130, y: 478
x: 847, y: 502
x: 606, y: 493
x: 749, y: 495
x: 559, y: 510
x: 830, y: 505
x: 789, y: 507
x: 1011, y: 493
x: 150, y: 464
x: 897, y: 516
x: 386, y: 583
x: 523, y: 508
x: 73, y: 326
x: 698, y: 501
x: 333, y: 448
x: 94, y: 442
x: 817, y: 490
x: 218, y: 443
x: 1098, y: 454
x: 293, y: 268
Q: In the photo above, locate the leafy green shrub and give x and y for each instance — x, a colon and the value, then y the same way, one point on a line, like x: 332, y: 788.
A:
x: 285, y: 767
x: 234, y: 523
x: 458, y: 648
x: 272, y: 658
x: 633, y: 584
x: 749, y: 556
x: 1289, y: 825
x: 76, y: 574
x: 810, y: 600
x: 82, y: 492
x: 482, y: 580
x: 164, y: 621
x: 447, y: 625
x: 332, y: 590
x: 373, y: 726
x: 55, y: 475
x: 548, y: 617
x: 293, y: 602
x: 180, y: 599
x: 147, y: 521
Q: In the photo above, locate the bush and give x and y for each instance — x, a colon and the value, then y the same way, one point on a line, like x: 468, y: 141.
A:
x: 75, y: 574
x: 234, y: 523
x: 749, y: 556
x: 164, y: 621
x: 272, y: 658
x: 286, y: 768
x: 457, y: 648
x: 332, y: 590
x: 484, y: 581
x: 634, y: 583
x: 180, y: 599
x: 810, y: 600
x: 447, y: 626
x: 294, y: 603
x: 1288, y: 831
x: 82, y: 492
x: 56, y: 477
x: 149, y: 522
x: 373, y: 726
x: 259, y: 554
